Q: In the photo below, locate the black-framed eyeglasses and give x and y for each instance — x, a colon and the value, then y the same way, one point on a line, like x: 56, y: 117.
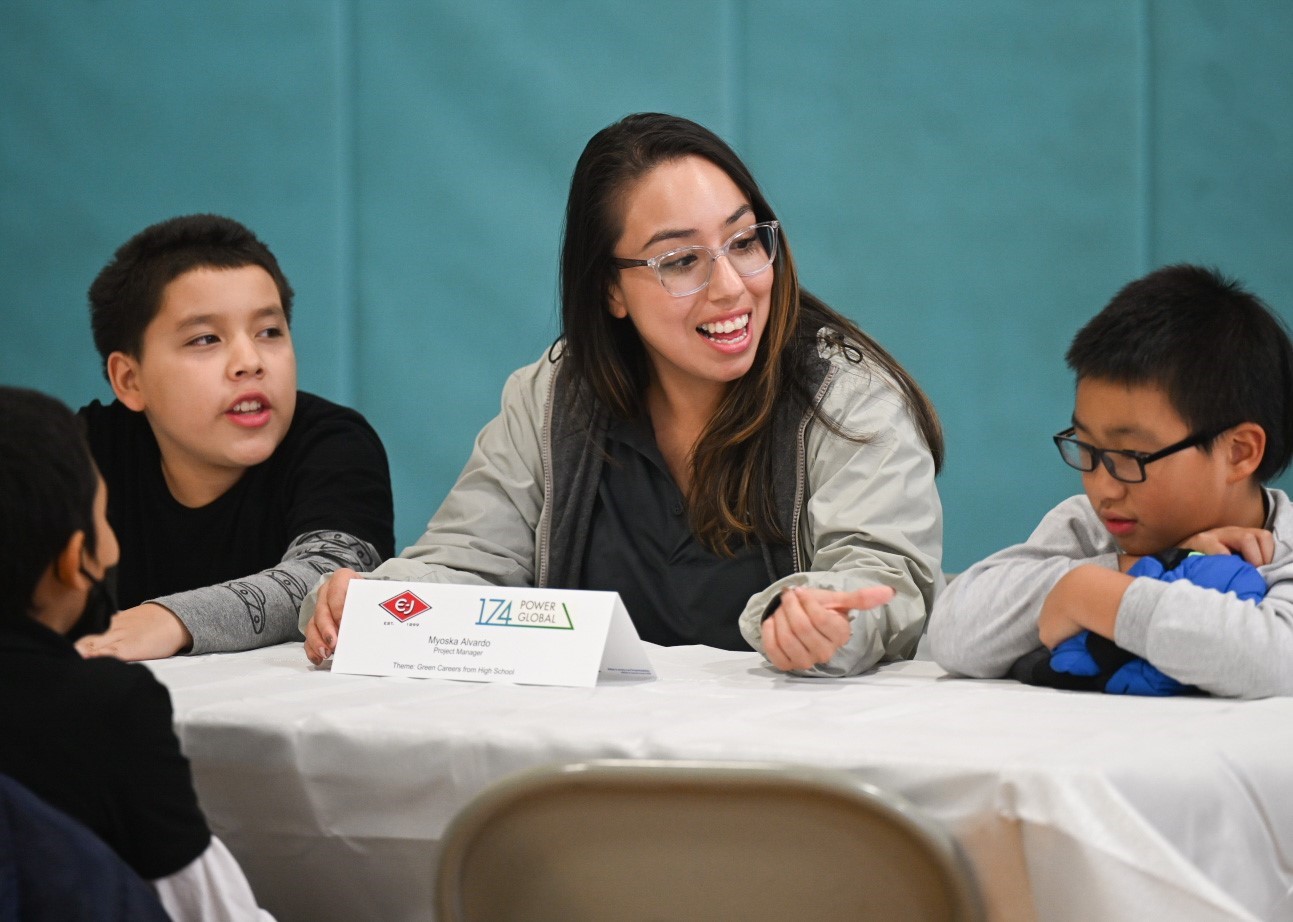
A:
x: 687, y: 270
x: 1124, y: 465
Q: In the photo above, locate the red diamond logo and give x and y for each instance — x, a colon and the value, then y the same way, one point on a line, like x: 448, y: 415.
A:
x: 405, y: 606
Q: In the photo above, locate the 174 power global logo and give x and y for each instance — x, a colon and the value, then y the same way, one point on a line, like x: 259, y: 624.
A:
x: 532, y: 613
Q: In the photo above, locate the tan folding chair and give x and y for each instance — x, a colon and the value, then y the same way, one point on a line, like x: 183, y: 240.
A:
x: 643, y: 840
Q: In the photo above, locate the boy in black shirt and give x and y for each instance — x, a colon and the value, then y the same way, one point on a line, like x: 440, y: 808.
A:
x: 231, y: 492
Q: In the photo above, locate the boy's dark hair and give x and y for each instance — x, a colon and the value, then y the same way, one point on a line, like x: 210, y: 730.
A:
x: 127, y: 293
x: 47, y: 487
x: 1217, y: 350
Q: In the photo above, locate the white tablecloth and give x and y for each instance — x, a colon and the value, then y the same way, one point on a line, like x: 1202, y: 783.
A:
x: 333, y: 790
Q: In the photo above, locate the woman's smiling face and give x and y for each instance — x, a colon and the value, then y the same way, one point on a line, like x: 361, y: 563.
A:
x: 705, y: 340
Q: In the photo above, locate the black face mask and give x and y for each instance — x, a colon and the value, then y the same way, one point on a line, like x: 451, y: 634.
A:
x: 100, y: 605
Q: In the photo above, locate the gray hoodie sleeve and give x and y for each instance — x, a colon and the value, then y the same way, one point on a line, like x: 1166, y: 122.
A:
x: 484, y: 531
x: 261, y: 609
x: 987, y: 617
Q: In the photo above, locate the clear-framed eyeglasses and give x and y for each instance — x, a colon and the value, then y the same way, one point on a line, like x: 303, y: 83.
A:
x: 1127, y: 466
x: 687, y: 270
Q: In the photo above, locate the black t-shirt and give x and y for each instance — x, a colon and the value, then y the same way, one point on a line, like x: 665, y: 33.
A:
x: 328, y: 474
x: 93, y: 738
x: 641, y: 545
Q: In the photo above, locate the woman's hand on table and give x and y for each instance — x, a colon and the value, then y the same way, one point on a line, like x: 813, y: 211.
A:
x: 321, y: 631
x: 811, y: 624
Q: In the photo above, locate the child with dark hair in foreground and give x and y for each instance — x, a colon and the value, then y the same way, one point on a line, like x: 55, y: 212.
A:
x: 231, y: 491
x: 1181, y: 416
x: 91, y: 738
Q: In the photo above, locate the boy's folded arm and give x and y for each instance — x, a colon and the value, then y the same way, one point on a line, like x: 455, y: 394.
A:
x: 261, y: 609
x: 987, y: 617
x: 1224, y: 645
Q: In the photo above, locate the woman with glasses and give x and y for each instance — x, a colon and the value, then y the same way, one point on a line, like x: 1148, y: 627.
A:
x: 742, y: 464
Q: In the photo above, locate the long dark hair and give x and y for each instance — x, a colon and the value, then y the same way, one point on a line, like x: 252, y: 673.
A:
x: 731, y: 499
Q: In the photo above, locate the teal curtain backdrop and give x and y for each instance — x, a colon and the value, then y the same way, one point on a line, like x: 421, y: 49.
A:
x: 970, y: 181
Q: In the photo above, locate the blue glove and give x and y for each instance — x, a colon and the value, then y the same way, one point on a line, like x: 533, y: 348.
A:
x: 1126, y: 674
x: 1140, y: 677
x: 1089, y: 656
x: 1222, y: 572
x: 1090, y: 662
x: 1071, y: 656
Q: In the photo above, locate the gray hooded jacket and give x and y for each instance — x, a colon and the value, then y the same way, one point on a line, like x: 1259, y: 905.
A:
x: 861, y: 513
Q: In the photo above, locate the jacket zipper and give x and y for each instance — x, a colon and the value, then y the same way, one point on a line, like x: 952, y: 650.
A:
x: 545, y: 530
x: 801, y: 473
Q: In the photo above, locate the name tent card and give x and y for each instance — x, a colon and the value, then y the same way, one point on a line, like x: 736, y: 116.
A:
x: 487, y: 634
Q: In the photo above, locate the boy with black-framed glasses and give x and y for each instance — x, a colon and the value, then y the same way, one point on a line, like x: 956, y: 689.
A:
x: 1182, y: 414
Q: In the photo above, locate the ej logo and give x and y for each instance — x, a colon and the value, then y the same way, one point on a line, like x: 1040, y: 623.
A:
x: 405, y: 606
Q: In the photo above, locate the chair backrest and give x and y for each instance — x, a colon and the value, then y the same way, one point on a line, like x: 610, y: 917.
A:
x: 634, y: 840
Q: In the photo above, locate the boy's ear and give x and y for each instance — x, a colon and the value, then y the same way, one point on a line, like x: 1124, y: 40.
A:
x: 67, y: 565
x: 123, y: 375
x: 1246, y: 446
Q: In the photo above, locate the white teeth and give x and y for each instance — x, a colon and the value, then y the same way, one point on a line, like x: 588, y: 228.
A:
x: 247, y: 406
x: 727, y: 326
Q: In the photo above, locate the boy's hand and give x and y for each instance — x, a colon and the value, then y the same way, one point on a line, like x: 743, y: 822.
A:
x: 1255, y: 545
x: 321, y: 631
x: 1086, y: 597
x: 811, y: 624
x: 148, y: 631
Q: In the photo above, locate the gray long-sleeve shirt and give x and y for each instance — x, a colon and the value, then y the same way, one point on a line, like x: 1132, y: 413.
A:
x: 987, y: 617
x: 261, y: 609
